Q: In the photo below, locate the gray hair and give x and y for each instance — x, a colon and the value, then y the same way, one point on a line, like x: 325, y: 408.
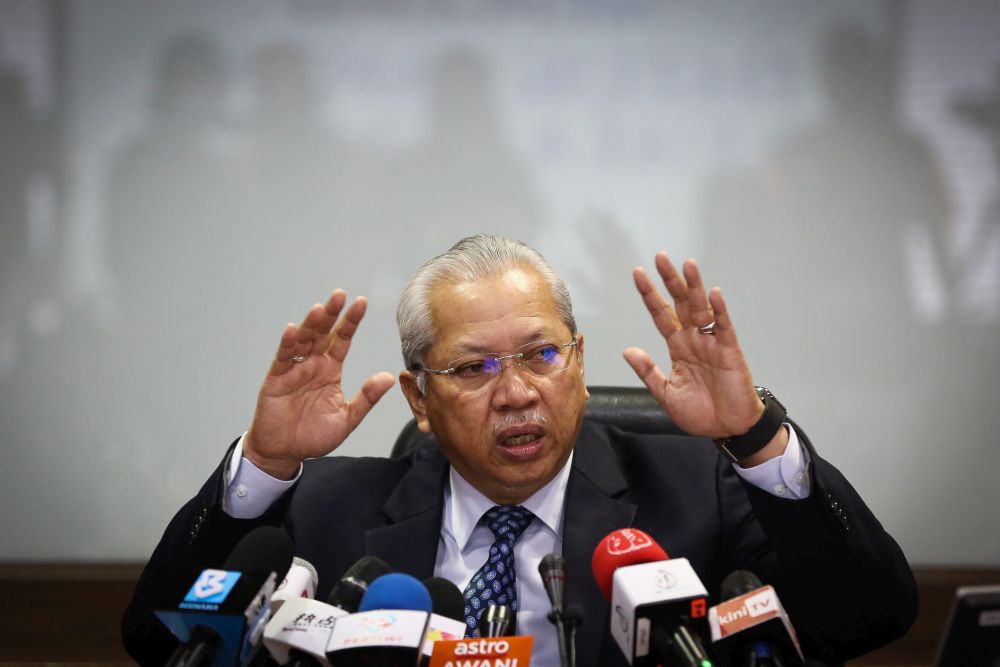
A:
x: 468, y: 260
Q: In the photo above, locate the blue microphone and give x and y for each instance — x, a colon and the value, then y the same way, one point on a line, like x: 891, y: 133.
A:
x: 222, y: 616
x: 396, y: 590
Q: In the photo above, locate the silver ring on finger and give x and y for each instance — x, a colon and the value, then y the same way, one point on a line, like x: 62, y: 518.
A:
x: 708, y: 329
x: 298, y: 358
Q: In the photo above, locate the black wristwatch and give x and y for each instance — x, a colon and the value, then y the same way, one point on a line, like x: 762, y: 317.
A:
x: 741, y: 446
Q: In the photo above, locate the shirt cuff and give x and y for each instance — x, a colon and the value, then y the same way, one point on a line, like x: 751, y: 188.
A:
x: 249, y: 490
x: 785, y: 476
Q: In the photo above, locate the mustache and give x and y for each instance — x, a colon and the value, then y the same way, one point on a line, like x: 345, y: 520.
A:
x: 534, y: 416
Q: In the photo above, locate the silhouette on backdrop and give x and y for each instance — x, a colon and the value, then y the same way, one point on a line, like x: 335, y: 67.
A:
x: 820, y: 226
x: 179, y: 211
x: 177, y: 193
x: 981, y: 279
x: 312, y: 188
x: 463, y: 178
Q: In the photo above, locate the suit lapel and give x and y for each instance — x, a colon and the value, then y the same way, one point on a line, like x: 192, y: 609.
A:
x: 594, y: 508
x: 409, y: 542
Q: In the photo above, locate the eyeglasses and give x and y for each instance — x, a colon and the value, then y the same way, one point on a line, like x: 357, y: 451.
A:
x: 538, y: 358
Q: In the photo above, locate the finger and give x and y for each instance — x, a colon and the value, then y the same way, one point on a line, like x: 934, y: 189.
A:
x: 676, y: 286
x: 286, y: 350
x: 340, y: 339
x: 724, y: 331
x: 371, y: 391
x: 698, y: 306
x: 315, y: 329
x: 646, y: 369
x: 659, y: 308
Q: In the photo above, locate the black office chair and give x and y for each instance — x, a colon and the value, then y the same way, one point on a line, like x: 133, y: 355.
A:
x: 631, y: 409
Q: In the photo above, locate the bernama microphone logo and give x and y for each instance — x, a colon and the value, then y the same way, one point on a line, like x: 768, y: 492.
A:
x: 211, y: 589
x: 626, y: 541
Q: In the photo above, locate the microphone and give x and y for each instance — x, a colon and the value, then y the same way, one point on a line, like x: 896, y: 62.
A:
x: 751, y: 627
x: 349, y: 591
x: 497, y: 621
x: 553, y: 571
x: 299, y: 632
x: 389, y: 628
x: 658, y: 605
x: 447, y: 622
x: 622, y: 548
x: 299, y: 582
x: 222, y: 616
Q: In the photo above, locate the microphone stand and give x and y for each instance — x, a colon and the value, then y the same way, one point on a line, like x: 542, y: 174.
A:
x: 556, y: 618
x: 553, y: 572
x: 572, y: 619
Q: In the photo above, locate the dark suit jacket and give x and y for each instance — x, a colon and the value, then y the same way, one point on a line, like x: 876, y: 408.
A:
x: 842, y: 578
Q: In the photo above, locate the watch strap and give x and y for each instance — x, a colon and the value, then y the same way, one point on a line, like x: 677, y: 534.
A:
x: 741, y: 446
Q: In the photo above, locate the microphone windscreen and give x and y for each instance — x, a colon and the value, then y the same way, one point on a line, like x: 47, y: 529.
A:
x: 622, y: 547
x: 573, y: 615
x: 446, y: 599
x: 552, y: 565
x: 263, y: 549
x: 347, y: 592
x: 396, y: 591
x: 737, y: 583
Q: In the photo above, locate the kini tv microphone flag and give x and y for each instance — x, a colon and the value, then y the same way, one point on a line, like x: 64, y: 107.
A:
x: 658, y: 607
x: 751, y: 627
x: 222, y: 616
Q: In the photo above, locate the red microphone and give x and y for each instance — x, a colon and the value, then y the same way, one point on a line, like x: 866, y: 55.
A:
x: 658, y: 605
x: 626, y: 546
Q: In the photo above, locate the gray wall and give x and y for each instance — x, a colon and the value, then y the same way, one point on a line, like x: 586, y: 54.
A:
x: 187, y: 177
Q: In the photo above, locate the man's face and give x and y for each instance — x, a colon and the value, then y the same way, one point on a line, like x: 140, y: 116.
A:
x: 499, y: 315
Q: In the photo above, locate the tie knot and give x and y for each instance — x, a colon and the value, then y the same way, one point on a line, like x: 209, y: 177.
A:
x: 508, y: 521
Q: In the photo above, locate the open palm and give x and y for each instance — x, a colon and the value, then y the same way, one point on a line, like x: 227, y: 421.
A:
x: 709, y: 390
x: 301, y: 410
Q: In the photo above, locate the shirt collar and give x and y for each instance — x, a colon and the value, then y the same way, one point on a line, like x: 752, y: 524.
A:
x: 465, y: 504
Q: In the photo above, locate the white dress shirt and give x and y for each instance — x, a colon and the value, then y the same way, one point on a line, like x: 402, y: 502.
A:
x: 465, y: 543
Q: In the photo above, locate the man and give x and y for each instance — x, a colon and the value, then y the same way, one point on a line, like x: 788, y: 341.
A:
x: 494, y: 369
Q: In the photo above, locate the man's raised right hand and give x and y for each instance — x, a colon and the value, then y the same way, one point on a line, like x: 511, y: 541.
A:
x: 301, y: 411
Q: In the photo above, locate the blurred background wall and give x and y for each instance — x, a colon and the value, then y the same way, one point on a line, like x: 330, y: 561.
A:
x: 180, y: 179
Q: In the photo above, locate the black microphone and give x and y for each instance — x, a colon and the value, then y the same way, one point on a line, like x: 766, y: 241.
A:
x: 751, y: 627
x: 299, y: 632
x: 553, y: 571
x: 350, y: 590
x: 222, y: 616
x: 447, y: 621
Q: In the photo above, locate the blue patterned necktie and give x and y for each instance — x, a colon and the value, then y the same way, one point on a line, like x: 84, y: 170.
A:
x: 496, y: 582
